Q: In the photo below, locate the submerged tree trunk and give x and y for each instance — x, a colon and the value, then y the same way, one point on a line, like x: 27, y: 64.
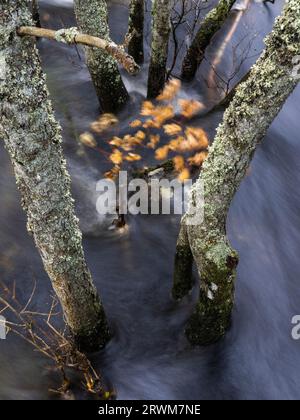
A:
x: 212, y: 23
x: 32, y: 138
x: 92, y: 19
x: 159, y: 48
x: 136, y: 30
x: 256, y: 103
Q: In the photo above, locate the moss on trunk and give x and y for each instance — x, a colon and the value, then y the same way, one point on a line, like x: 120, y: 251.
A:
x: 159, y: 47
x: 256, y: 103
x: 33, y: 140
x: 211, y: 24
x: 92, y: 18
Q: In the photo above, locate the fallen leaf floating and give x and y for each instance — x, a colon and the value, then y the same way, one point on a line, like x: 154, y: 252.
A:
x: 172, y: 129
x: 170, y: 91
x: 131, y: 157
x: 88, y: 140
x: 197, y: 159
x: 104, y: 122
x: 116, y: 157
x: 179, y: 163
x: 189, y: 108
x: 135, y: 123
x: 184, y: 175
x: 162, y: 153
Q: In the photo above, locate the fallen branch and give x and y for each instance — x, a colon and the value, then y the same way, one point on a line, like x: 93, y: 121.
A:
x: 73, y: 36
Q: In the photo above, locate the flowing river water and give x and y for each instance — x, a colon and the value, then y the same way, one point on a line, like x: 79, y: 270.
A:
x: 149, y: 357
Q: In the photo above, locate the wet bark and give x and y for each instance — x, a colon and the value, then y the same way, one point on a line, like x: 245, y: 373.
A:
x: 159, y: 47
x: 92, y: 19
x: 136, y: 30
x: 212, y: 23
x: 256, y: 103
x: 33, y: 140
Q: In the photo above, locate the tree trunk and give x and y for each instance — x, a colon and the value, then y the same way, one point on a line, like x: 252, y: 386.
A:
x: 136, y: 30
x: 256, y: 103
x: 33, y: 140
x: 159, y: 47
x: 36, y: 13
x: 92, y: 19
x: 212, y: 23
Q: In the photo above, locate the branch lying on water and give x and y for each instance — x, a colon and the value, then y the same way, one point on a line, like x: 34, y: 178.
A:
x: 73, y: 36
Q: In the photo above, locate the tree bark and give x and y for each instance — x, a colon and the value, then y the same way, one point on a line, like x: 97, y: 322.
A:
x: 196, y: 52
x: 256, y: 103
x: 92, y: 19
x: 33, y: 140
x: 136, y: 30
x: 159, y: 47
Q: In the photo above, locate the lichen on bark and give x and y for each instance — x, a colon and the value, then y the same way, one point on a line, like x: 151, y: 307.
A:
x: 211, y: 24
x: 255, y: 105
x: 159, y: 47
x: 33, y: 140
x: 92, y: 19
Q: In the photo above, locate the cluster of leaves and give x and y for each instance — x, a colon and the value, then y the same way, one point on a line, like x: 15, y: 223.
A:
x: 186, y: 145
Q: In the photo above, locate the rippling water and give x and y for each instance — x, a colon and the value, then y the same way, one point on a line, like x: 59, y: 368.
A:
x: 149, y: 356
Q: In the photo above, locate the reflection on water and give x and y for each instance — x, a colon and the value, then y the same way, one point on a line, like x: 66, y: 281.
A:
x: 149, y: 356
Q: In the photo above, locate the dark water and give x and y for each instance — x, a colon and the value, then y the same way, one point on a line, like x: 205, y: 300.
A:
x: 149, y: 356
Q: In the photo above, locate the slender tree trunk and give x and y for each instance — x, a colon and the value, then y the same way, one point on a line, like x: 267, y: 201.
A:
x: 136, y: 30
x: 212, y: 23
x: 92, y: 18
x: 159, y: 48
x: 33, y: 140
x: 36, y: 13
x: 256, y: 103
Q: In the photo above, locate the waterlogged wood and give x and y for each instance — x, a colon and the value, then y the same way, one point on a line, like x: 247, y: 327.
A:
x: 256, y: 103
x: 33, y: 140
x: 136, y: 30
x: 92, y: 19
x: 72, y: 36
x: 196, y: 52
x: 159, y: 47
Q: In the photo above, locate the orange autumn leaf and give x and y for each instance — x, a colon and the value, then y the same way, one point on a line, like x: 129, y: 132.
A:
x: 104, y: 122
x: 163, y: 113
x: 184, y: 175
x: 170, y: 91
x: 132, y: 157
x: 197, y: 159
x: 190, y: 107
x: 113, y: 173
x: 116, y: 141
x: 178, y: 163
x: 88, y: 140
x: 162, y: 153
x: 135, y: 123
x: 175, y: 144
x: 140, y: 135
x: 116, y: 157
x: 154, y: 140
x: 147, y: 109
x: 197, y: 138
x: 172, y: 129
